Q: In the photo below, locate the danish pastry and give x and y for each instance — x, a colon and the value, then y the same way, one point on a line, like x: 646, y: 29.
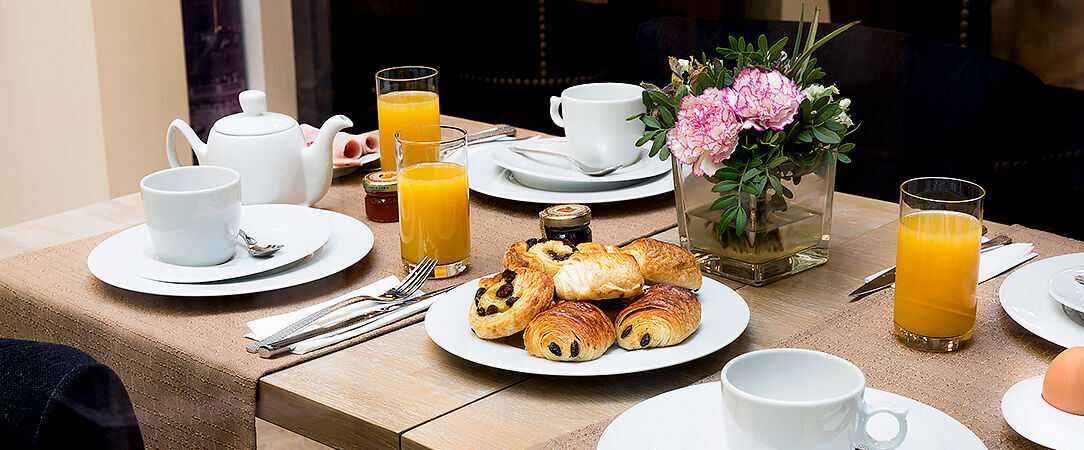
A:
x: 663, y: 262
x: 570, y: 331
x: 544, y: 255
x: 506, y: 302
x: 664, y: 316
x: 598, y: 276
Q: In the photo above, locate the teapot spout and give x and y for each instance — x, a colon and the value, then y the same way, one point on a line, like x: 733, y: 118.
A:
x: 317, y: 158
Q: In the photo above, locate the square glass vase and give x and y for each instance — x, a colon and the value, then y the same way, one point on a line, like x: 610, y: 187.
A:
x: 784, y: 237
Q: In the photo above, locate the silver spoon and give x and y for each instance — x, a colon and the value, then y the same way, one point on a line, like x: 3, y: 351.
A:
x: 258, y: 250
x: 587, y: 170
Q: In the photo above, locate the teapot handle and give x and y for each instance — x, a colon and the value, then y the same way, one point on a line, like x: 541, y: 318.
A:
x: 190, y: 135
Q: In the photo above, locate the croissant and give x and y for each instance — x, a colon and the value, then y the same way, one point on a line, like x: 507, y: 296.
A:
x: 598, y: 276
x: 570, y: 331
x: 506, y: 302
x: 664, y: 316
x: 539, y: 254
x: 591, y: 247
x: 663, y: 262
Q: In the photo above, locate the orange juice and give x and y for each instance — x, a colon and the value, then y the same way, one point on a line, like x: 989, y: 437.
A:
x: 937, y: 271
x: 434, y: 212
x: 404, y: 109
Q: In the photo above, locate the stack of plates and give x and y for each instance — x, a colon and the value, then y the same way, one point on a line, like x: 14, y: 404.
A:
x: 496, y: 170
x: 317, y: 243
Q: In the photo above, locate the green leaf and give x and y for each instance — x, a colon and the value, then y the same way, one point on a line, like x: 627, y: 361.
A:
x: 843, y: 158
x: 647, y: 100
x: 761, y: 184
x: 740, y: 220
x: 819, y: 103
x: 682, y: 91
x: 749, y: 189
x: 805, y: 136
x: 846, y: 147
x: 667, y: 117
x: 749, y: 174
x: 762, y: 44
x: 650, y: 121
x: 660, y: 98
x: 727, y: 172
x: 723, y: 201
x: 774, y: 162
x: 637, y: 116
x: 660, y: 140
x: 728, y: 216
x: 724, y: 186
x: 733, y: 42
x: 776, y: 185
x: 834, y: 126
x: 774, y: 52
x: 741, y: 43
x: 829, y: 111
x: 734, y: 163
x: 703, y: 80
x: 665, y: 153
x: 643, y: 139
x: 798, y: 38
x: 826, y: 136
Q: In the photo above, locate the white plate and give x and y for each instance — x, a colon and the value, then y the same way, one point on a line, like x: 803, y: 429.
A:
x: 552, y: 173
x: 302, y: 231
x: 1026, y: 412
x: 350, y: 241
x: 724, y: 316
x: 1066, y: 290
x: 692, y: 417
x: 343, y: 170
x: 1025, y: 298
x: 488, y: 178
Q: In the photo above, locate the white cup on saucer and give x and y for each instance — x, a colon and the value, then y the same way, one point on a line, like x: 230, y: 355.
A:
x: 794, y: 398
x: 593, y: 116
x: 193, y: 213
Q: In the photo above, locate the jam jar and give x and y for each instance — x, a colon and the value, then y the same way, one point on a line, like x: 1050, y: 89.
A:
x: 569, y: 222
x: 381, y: 196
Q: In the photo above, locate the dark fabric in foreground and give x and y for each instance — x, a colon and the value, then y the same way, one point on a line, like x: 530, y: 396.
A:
x: 55, y: 396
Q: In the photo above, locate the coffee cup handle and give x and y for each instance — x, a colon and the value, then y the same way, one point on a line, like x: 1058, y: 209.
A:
x: 868, y: 411
x: 555, y: 102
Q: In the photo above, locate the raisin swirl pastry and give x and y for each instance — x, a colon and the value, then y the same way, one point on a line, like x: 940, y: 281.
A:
x: 506, y: 302
x: 598, y: 276
x: 663, y: 262
x: 570, y: 331
x: 664, y: 316
x: 546, y: 255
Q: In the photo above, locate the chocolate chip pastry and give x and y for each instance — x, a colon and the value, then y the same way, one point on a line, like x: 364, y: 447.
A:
x: 664, y: 316
x: 546, y: 255
x: 570, y: 331
x: 505, y: 303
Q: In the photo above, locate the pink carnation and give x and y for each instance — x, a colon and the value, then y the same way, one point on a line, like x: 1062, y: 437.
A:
x: 706, y: 132
x: 764, y: 99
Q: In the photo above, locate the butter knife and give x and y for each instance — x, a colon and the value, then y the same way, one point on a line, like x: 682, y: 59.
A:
x: 282, y: 346
x: 886, y: 279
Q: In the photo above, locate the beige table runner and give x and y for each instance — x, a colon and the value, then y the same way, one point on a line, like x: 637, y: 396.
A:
x: 183, y: 359
x: 967, y: 385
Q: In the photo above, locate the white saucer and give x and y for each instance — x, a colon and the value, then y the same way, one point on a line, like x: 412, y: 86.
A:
x: 724, y: 316
x: 486, y: 177
x: 1066, y: 290
x: 556, y: 174
x: 692, y: 417
x: 1025, y: 298
x: 1026, y: 412
x: 350, y: 241
x: 302, y: 231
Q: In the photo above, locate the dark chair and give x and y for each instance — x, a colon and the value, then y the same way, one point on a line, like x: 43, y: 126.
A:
x: 55, y: 396
x: 927, y: 108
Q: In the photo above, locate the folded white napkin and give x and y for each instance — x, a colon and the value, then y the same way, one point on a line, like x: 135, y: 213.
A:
x: 995, y: 261
x: 262, y: 328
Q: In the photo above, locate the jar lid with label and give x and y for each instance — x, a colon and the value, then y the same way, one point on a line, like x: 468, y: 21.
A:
x: 384, y: 181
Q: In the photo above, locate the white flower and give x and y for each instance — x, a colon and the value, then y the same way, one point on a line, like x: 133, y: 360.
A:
x: 844, y: 103
x: 815, y: 91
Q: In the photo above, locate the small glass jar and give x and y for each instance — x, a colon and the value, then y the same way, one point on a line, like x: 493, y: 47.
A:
x: 569, y: 222
x: 381, y: 196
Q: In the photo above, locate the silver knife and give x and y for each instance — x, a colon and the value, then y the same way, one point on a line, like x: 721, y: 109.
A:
x: 886, y: 279
x: 282, y: 346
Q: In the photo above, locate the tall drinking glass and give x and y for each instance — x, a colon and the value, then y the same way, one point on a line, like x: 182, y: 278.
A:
x: 434, y: 200
x: 405, y: 97
x: 937, y: 262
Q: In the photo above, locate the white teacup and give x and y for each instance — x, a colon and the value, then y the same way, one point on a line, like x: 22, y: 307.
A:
x: 193, y: 213
x: 791, y: 398
x: 593, y: 116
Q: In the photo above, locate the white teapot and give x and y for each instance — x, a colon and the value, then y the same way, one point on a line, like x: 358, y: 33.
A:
x: 268, y: 150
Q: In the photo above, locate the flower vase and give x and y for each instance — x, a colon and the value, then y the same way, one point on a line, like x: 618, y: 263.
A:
x: 784, y: 236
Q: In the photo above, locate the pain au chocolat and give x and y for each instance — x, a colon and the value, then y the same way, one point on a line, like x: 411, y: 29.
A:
x: 505, y: 303
x: 664, y: 316
x: 570, y: 331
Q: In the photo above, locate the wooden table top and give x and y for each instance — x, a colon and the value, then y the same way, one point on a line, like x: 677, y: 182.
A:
x: 401, y: 389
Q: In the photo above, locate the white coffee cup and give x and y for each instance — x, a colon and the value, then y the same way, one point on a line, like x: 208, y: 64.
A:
x: 593, y: 116
x: 193, y: 213
x: 791, y: 398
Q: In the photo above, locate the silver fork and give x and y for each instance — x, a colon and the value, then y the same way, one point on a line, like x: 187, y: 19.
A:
x: 405, y: 289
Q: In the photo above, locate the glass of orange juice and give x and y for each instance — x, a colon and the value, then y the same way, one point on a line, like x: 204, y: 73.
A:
x: 405, y: 97
x: 434, y: 199
x: 937, y: 262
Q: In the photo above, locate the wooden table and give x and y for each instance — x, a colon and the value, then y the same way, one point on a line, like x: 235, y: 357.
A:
x: 401, y: 390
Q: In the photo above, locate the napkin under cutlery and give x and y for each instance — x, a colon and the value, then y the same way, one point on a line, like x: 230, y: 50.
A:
x: 995, y: 261
x: 262, y: 328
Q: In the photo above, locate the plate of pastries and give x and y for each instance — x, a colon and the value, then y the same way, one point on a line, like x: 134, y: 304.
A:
x: 587, y: 309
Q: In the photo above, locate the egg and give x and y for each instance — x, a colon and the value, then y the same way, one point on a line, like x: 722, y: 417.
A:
x: 1063, y: 385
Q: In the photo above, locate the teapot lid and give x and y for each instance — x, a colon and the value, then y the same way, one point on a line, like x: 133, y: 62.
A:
x: 254, y: 120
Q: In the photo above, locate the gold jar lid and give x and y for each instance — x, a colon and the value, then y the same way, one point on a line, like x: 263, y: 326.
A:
x: 565, y: 216
x: 385, y: 181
